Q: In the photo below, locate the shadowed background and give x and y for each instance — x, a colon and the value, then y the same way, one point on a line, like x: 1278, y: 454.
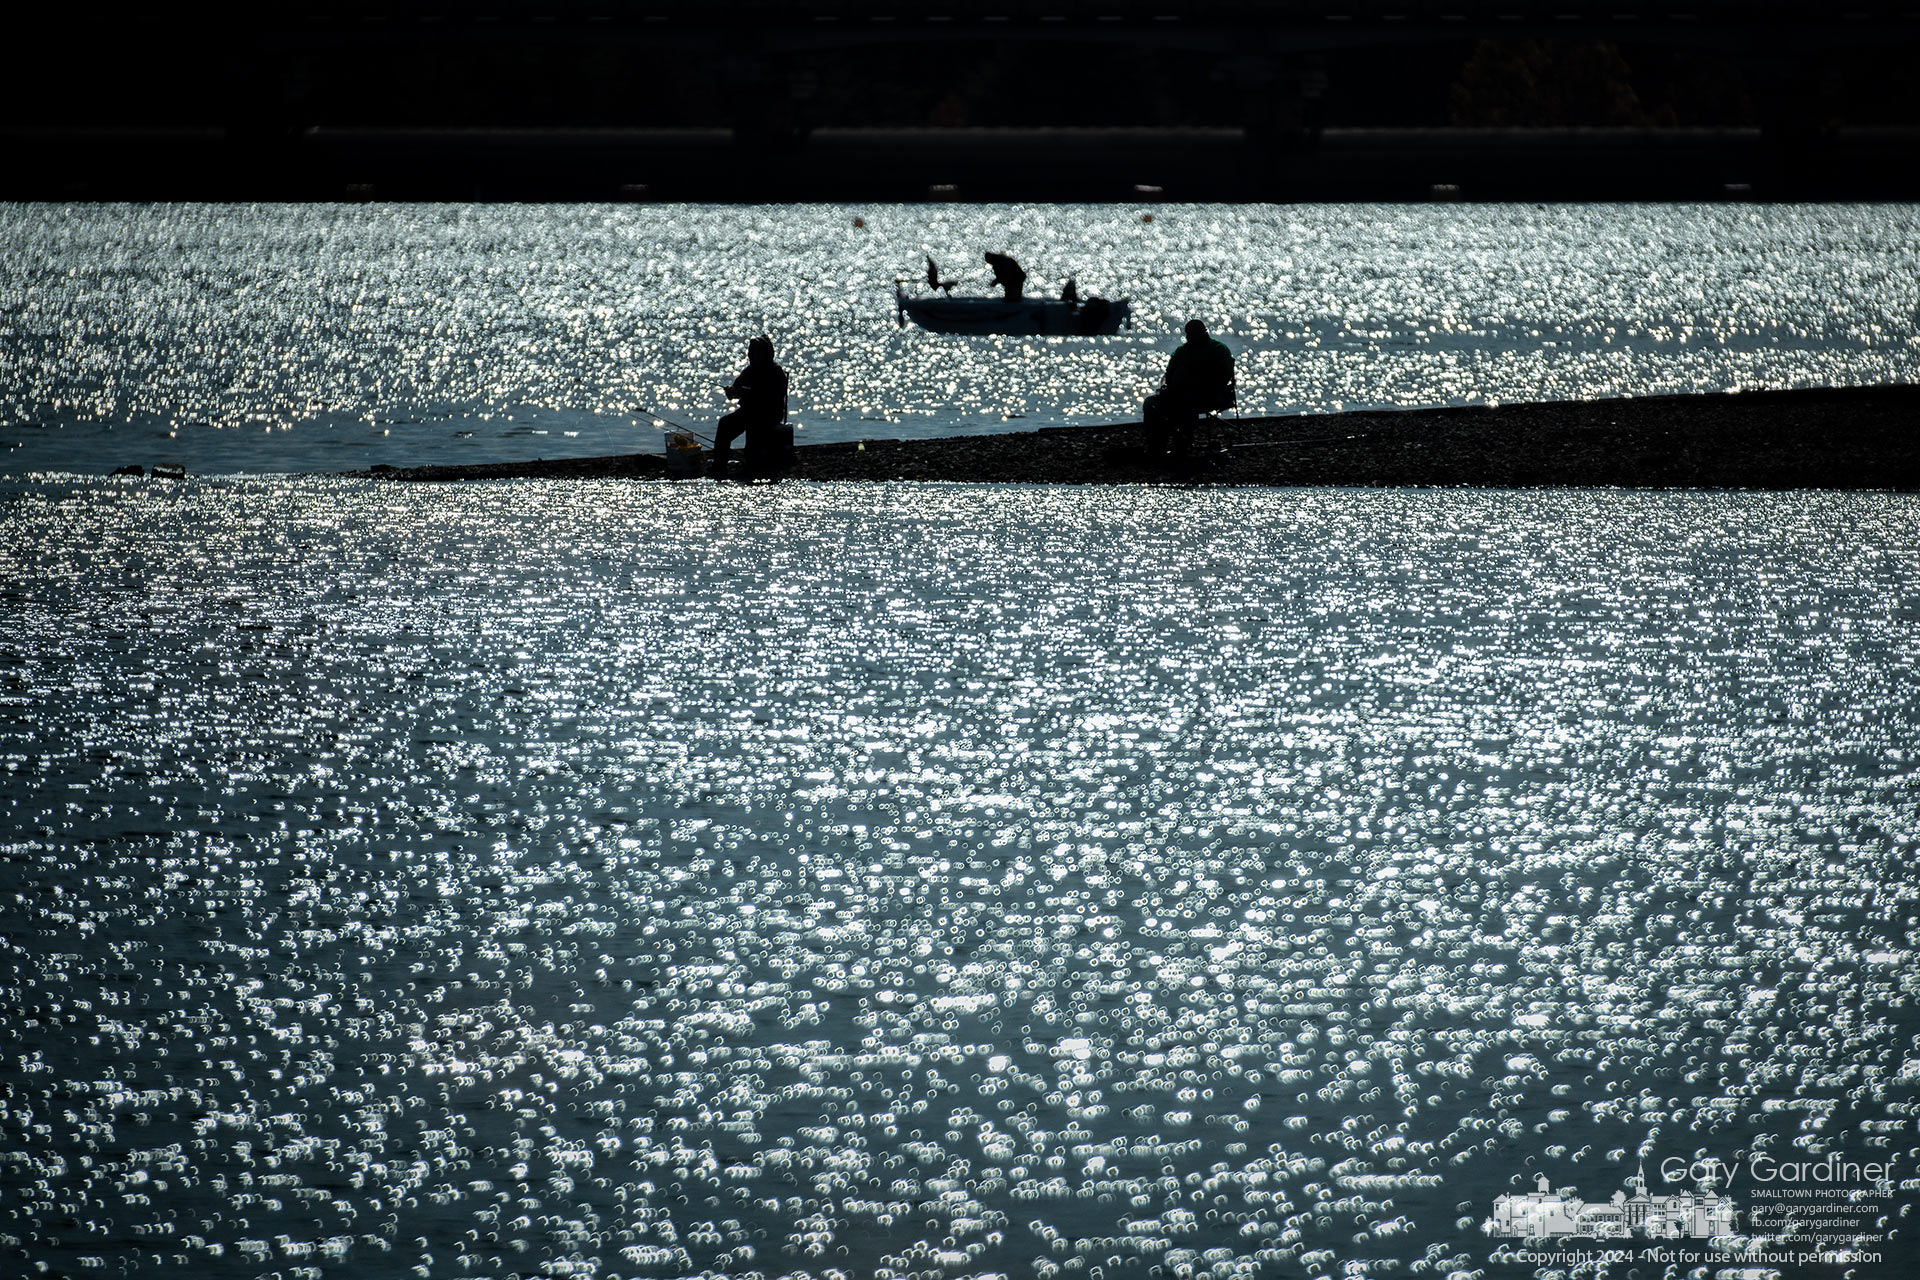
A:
x: 974, y: 99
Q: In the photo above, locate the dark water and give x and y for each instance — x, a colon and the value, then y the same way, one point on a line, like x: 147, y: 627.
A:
x: 325, y: 338
x: 641, y: 881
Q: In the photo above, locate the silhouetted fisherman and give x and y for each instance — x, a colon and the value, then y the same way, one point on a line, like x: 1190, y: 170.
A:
x: 761, y: 390
x: 1007, y: 274
x: 933, y: 277
x: 1199, y: 379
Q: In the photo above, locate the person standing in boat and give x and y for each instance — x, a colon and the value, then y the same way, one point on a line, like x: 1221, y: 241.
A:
x: 933, y: 278
x: 761, y: 390
x: 1007, y: 274
x: 1199, y: 379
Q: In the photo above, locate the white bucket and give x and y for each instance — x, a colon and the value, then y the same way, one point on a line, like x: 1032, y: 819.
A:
x: 685, y: 458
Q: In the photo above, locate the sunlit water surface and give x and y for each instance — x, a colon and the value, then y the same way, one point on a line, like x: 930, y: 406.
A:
x: 639, y: 881
x: 304, y: 337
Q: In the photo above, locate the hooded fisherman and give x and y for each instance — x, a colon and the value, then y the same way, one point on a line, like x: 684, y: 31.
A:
x: 761, y: 390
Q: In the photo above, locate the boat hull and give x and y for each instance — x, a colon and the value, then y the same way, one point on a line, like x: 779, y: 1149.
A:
x: 1026, y: 315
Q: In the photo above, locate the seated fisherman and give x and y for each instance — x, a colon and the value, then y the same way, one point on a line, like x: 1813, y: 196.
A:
x: 1007, y: 274
x: 761, y: 390
x: 1199, y: 379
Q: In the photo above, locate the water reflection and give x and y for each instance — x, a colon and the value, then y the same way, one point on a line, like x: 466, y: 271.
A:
x: 329, y: 337
x: 612, y: 880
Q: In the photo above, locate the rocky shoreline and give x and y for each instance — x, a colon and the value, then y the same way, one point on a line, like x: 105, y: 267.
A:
x: 1854, y: 438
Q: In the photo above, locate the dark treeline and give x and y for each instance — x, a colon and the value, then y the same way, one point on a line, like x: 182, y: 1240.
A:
x: 760, y: 100
x: 180, y: 80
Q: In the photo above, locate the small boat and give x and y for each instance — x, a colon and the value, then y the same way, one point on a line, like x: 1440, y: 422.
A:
x: 1002, y: 315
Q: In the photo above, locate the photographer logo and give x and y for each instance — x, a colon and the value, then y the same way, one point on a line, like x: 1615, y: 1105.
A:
x: 1698, y: 1214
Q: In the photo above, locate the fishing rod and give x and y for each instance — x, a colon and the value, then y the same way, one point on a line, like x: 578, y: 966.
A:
x: 661, y: 421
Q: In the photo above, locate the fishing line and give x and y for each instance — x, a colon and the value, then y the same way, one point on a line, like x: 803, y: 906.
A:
x: 662, y: 422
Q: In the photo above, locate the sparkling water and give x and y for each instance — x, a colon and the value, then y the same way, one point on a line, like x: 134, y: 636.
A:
x: 299, y: 337
x: 629, y: 880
